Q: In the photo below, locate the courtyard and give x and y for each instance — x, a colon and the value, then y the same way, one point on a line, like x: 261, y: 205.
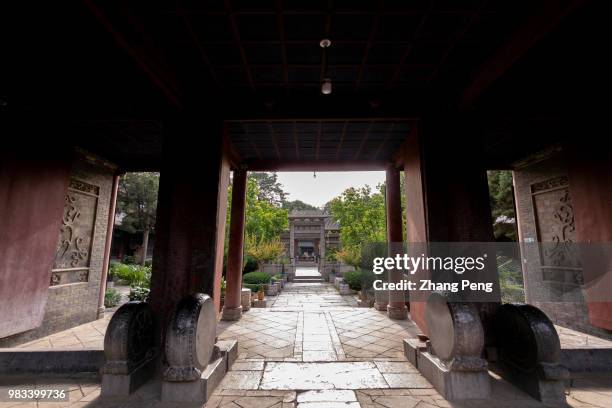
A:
x: 313, y: 348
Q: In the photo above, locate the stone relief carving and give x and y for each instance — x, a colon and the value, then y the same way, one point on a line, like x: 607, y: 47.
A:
x: 73, y: 252
x: 561, y: 253
x: 550, y: 184
x: 559, y: 256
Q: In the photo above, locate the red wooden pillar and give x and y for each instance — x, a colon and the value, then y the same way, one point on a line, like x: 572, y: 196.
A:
x: 190, y: 216
x: 396, y: 309
x: 107, y: 245
x: 232, y: 308
x: 447, y: 197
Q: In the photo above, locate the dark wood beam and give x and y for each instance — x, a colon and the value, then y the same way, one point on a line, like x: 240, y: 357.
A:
x: 363, y: 142
x: 458, y: 37
x: 410, y: 47
x: 238, y: 43
x: 312, y: 165
x: 382, y: 144
x: 296, y: 142
x: 198, y: 44
x: 342, y: 136
x: 538, y: 24
x: 274, y: 141
x: 280, y: 22
x: 154, y: 74
x: 369, y: 44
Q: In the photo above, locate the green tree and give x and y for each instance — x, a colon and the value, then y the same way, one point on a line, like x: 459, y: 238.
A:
x: 264, y: 221
x: 137, y: 204
x: 270, y: 189
x: 297, y: 205
x: 502, y: 204
x: 360, y: 212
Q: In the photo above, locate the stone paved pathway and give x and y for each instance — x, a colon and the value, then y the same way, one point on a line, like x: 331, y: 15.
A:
x: 312, y: 348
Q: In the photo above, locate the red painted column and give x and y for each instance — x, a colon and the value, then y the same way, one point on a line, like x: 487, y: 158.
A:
x: 232, y: 308
x: 396, y: 309
x: 33, y: 185
x: 107, y: 245
x: 190, y: 216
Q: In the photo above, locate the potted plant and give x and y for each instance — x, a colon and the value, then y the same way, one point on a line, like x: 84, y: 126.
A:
x: 260, y: 293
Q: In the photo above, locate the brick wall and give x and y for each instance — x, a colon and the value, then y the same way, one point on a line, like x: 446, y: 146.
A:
x: 72, y: 302
x: 541, y: 186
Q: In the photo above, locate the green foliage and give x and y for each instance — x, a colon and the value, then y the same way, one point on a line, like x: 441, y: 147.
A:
x: 353, y: 279
x: 277, y: 277
x: 253, y: 286
x: 250, y: 264
x: 111, y: 297
x: 510, y: 280
x: 256, y: 278
x: 137, y: 201
x: 129, y: 259
x: 360, y: 279
x: 133, y: 275
x: 350, y: 255
x: 502, y: 204
x: 297, y: 205
x: 139, y: 293
x: 361, y: 215
x: 264, y: 220
x: 269, y: 189
x: 264, y: 251
x: 331, y: 254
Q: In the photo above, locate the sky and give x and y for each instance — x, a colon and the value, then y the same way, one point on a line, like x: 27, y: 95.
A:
x: 327, y: 185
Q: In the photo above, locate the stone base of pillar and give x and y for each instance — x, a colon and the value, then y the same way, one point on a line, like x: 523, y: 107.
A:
x: 200, y: 390
x: 101, y: 311
x: 231, y: 313
x: 455, y: 384
x: 380, y: 306
x: 397, y: 313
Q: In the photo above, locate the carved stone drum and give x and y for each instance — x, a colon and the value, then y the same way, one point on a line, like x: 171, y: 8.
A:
x: 128, y: 341
x: 455, y: 330
x: 190, y: 338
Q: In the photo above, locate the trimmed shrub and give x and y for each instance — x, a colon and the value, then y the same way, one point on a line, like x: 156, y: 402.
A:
x: 111, y: 298
x: 256, y: 277
x: 354, y: 279
x: 254, y: 287
x: 250, y: 264
x: 360, y: 279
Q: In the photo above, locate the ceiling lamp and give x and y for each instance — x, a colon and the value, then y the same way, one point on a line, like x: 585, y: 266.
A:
x: 326, y: 84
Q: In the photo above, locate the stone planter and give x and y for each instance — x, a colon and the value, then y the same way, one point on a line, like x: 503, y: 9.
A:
x: 338, y: 281
x: 344, y: 289
x: 332, y: 277
x: 272, y: 290
x: 245, y: 299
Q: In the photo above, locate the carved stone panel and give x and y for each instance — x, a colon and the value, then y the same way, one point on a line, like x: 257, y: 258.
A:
x: 72, y: 257
x: 554, y: 214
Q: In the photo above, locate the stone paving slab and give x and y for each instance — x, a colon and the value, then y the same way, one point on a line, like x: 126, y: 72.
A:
x: 319, y: 376
x: 312, y: 349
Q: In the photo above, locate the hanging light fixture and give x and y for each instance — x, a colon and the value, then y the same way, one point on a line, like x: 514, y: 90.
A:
x: 326, y: 85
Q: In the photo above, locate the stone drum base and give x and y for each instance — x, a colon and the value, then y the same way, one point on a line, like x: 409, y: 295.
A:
x: 454, y: 384
x: 231, y: 313
x: 200, y: 390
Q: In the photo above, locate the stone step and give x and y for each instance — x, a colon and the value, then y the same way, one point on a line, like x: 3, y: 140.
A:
x: 306, y: 279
